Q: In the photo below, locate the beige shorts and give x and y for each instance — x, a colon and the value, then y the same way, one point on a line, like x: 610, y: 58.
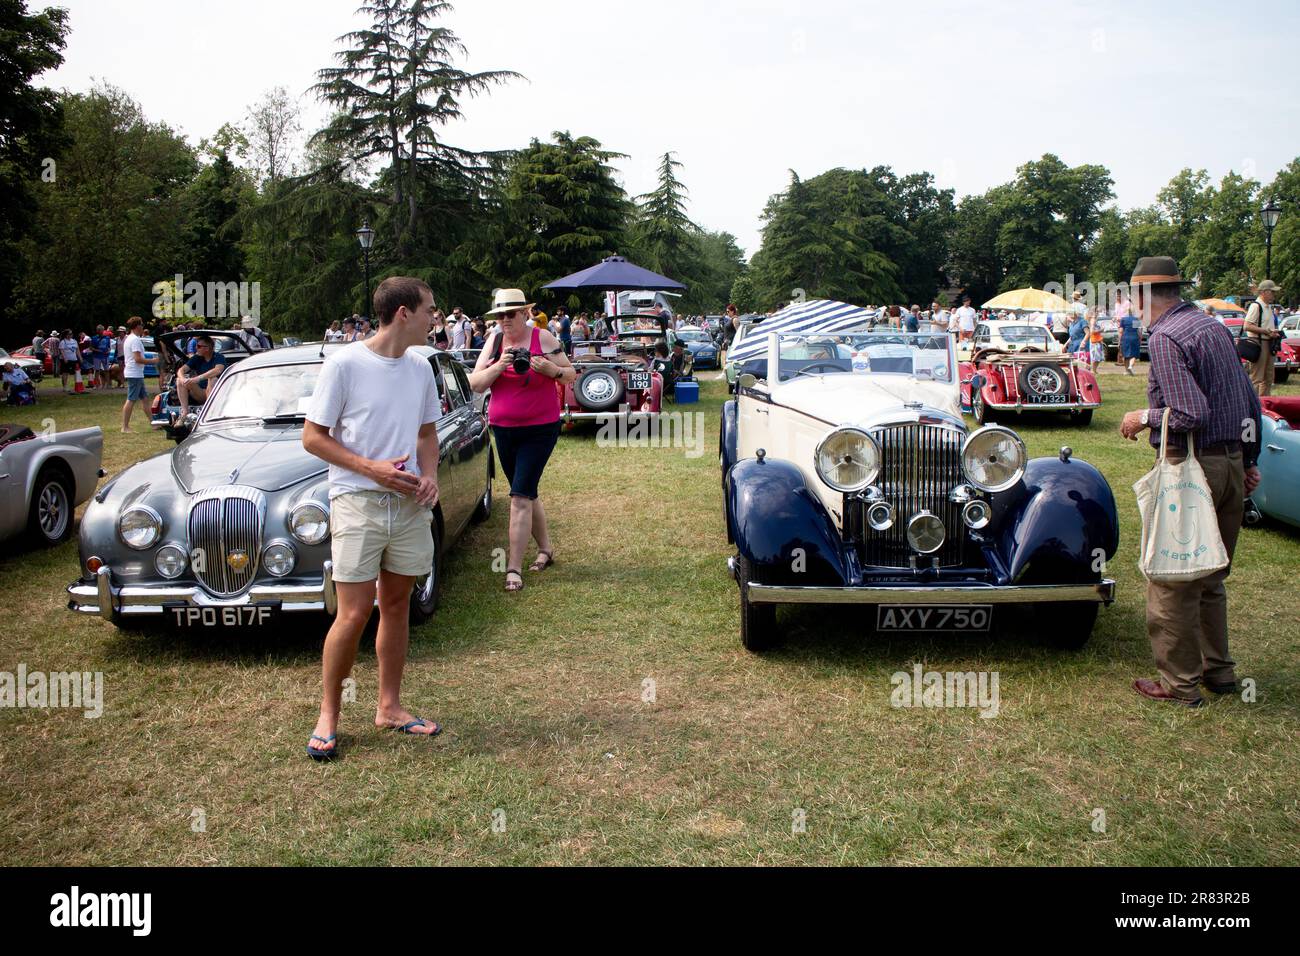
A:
x: 370, y: 530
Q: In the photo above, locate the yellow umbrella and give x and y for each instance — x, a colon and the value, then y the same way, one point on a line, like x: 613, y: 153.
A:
x: 1028, y: 300
x: 1220, y: 305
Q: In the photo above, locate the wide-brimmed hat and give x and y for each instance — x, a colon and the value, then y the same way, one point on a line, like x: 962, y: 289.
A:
x: 508, y: 300
x: 248, y: 322
x: 1268, y: 285
x: 1157, y: 270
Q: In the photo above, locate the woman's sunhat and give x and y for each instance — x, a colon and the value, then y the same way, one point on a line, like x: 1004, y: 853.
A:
x: 508, y: 300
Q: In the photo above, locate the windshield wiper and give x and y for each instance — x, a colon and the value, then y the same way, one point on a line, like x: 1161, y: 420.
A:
x: 287, y: 418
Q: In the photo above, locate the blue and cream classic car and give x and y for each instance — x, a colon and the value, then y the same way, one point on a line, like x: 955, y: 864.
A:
x: 1279, y: 462
x: 849, y: 477
x: 231, y: 527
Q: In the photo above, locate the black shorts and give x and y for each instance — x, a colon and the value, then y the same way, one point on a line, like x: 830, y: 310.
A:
x: 524, y: 451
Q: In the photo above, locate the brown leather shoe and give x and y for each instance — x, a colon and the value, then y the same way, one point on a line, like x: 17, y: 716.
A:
x: 1154, y: 690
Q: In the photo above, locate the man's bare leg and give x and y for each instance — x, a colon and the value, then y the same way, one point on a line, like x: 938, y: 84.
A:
x: 355, y: 604
x: 391, y: 644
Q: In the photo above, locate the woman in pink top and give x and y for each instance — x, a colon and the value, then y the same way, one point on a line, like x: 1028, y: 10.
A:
x: 525, y: 418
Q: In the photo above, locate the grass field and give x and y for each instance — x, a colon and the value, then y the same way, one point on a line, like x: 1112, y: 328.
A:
x: 549, y: 732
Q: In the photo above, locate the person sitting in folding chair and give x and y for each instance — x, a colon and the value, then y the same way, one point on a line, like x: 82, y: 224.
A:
x: 194, y: 377
x: 662, y: 364
x: 18, y: 388
x: 683, y: 363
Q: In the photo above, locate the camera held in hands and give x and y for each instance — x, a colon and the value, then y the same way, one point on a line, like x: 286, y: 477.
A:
x: 520, y: 360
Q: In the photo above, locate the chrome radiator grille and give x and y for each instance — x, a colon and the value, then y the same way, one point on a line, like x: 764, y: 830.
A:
x: 920, y: 465
x: 223, y: 523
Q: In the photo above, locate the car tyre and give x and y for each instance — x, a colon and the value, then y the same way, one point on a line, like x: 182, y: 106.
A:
x: 1043, y: 378
x: 49, y: 517
x: 428, y: 590
x: 484, y: 509
x: 1281, y: 375
x: 979, y: 409
x: 757, y: 621
x: 599, y: 389
x: 1082, y: 419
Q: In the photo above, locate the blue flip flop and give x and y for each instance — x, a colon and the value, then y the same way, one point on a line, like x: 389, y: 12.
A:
x: 316, y: 754
x: 418, y: 722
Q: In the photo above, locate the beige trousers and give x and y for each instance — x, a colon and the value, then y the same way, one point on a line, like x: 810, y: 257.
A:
x: 1261, y: 372
x: 1187, y: 622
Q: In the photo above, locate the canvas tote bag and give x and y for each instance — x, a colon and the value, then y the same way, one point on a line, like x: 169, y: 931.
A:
x: 1180, y: 527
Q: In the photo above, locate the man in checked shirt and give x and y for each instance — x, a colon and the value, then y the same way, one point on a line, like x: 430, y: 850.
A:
x: 1195, y: 372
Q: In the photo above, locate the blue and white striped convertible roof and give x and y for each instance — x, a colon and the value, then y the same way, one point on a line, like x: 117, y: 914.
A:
x: 822, y: 316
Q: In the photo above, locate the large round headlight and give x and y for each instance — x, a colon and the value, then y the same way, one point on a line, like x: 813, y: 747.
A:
x: 310, y: 522
x: 170, y: 561
x: 993, y: 458
x: 848, y: 459
x: 139, y: 527
x: 279, y: 558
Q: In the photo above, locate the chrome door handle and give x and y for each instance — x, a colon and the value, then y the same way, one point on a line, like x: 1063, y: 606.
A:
x: 1270, y: 448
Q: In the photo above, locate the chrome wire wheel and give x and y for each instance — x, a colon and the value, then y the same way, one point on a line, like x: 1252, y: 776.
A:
x: 53, y: 510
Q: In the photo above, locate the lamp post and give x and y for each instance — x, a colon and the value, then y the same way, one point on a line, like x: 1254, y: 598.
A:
x: 1269, y: 214
x: 366, y: 236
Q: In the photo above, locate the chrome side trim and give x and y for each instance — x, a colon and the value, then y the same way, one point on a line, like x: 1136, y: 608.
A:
x: 1102, y: 592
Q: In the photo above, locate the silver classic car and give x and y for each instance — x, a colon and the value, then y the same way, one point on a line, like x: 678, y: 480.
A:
x: 43, y: 478
x: 232, y: 526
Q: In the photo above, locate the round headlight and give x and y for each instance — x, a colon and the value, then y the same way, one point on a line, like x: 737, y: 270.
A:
x: 139, y: 527
x: 310, y: 522
x: 993, y: 458
x: 976, y: 514
x: 278, y: 558
x: 848, y: 459
x: 170, y: 561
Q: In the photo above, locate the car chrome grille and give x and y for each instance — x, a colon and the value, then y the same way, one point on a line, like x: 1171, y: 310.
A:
x: 920, y: 465
x: 223, y: 522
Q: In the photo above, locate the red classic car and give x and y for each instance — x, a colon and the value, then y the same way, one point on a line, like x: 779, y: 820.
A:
x: 995, y: 382
x: 47, y: 365
x: 615, y: 376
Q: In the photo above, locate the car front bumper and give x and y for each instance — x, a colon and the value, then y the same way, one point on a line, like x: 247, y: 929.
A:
x: 1040, y: 407
x: 1103, y: 592
x: 154, y: 600
x: 571, y: 416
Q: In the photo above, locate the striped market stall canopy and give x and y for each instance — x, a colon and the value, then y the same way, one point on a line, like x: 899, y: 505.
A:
x: 816, y: 316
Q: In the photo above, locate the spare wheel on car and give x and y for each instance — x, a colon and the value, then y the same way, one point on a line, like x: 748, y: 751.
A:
x: 1043, y: 379
x: 599, y: 389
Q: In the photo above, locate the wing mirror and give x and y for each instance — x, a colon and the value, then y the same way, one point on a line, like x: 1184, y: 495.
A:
x: 746, y: 380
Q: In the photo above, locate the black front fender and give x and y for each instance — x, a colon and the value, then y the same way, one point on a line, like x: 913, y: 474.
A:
x: 1058, y: 526
x: 780, y: 525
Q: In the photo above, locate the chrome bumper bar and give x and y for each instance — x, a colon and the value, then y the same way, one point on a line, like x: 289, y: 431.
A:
x: 1040, y: 407
x: 1103, y: 592
x: 134, y: 600
x: 568, y: 416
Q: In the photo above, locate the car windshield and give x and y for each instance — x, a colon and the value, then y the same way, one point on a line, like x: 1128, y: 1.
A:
x: 690, y: 335
x: 923, y: 357
x: 1025, y: 334
x: 268, y: 392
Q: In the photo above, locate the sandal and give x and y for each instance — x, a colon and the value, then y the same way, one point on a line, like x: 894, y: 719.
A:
x: 510, y: 585
x: 539, y: 564
x: 320, y: 753
x: 418, y: 722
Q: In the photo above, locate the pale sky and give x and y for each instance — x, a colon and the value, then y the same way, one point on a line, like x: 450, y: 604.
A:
x: 745, y: 91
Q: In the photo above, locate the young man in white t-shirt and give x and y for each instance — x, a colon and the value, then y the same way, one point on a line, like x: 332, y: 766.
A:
x: 373, y: 419
x: 133, y: 371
